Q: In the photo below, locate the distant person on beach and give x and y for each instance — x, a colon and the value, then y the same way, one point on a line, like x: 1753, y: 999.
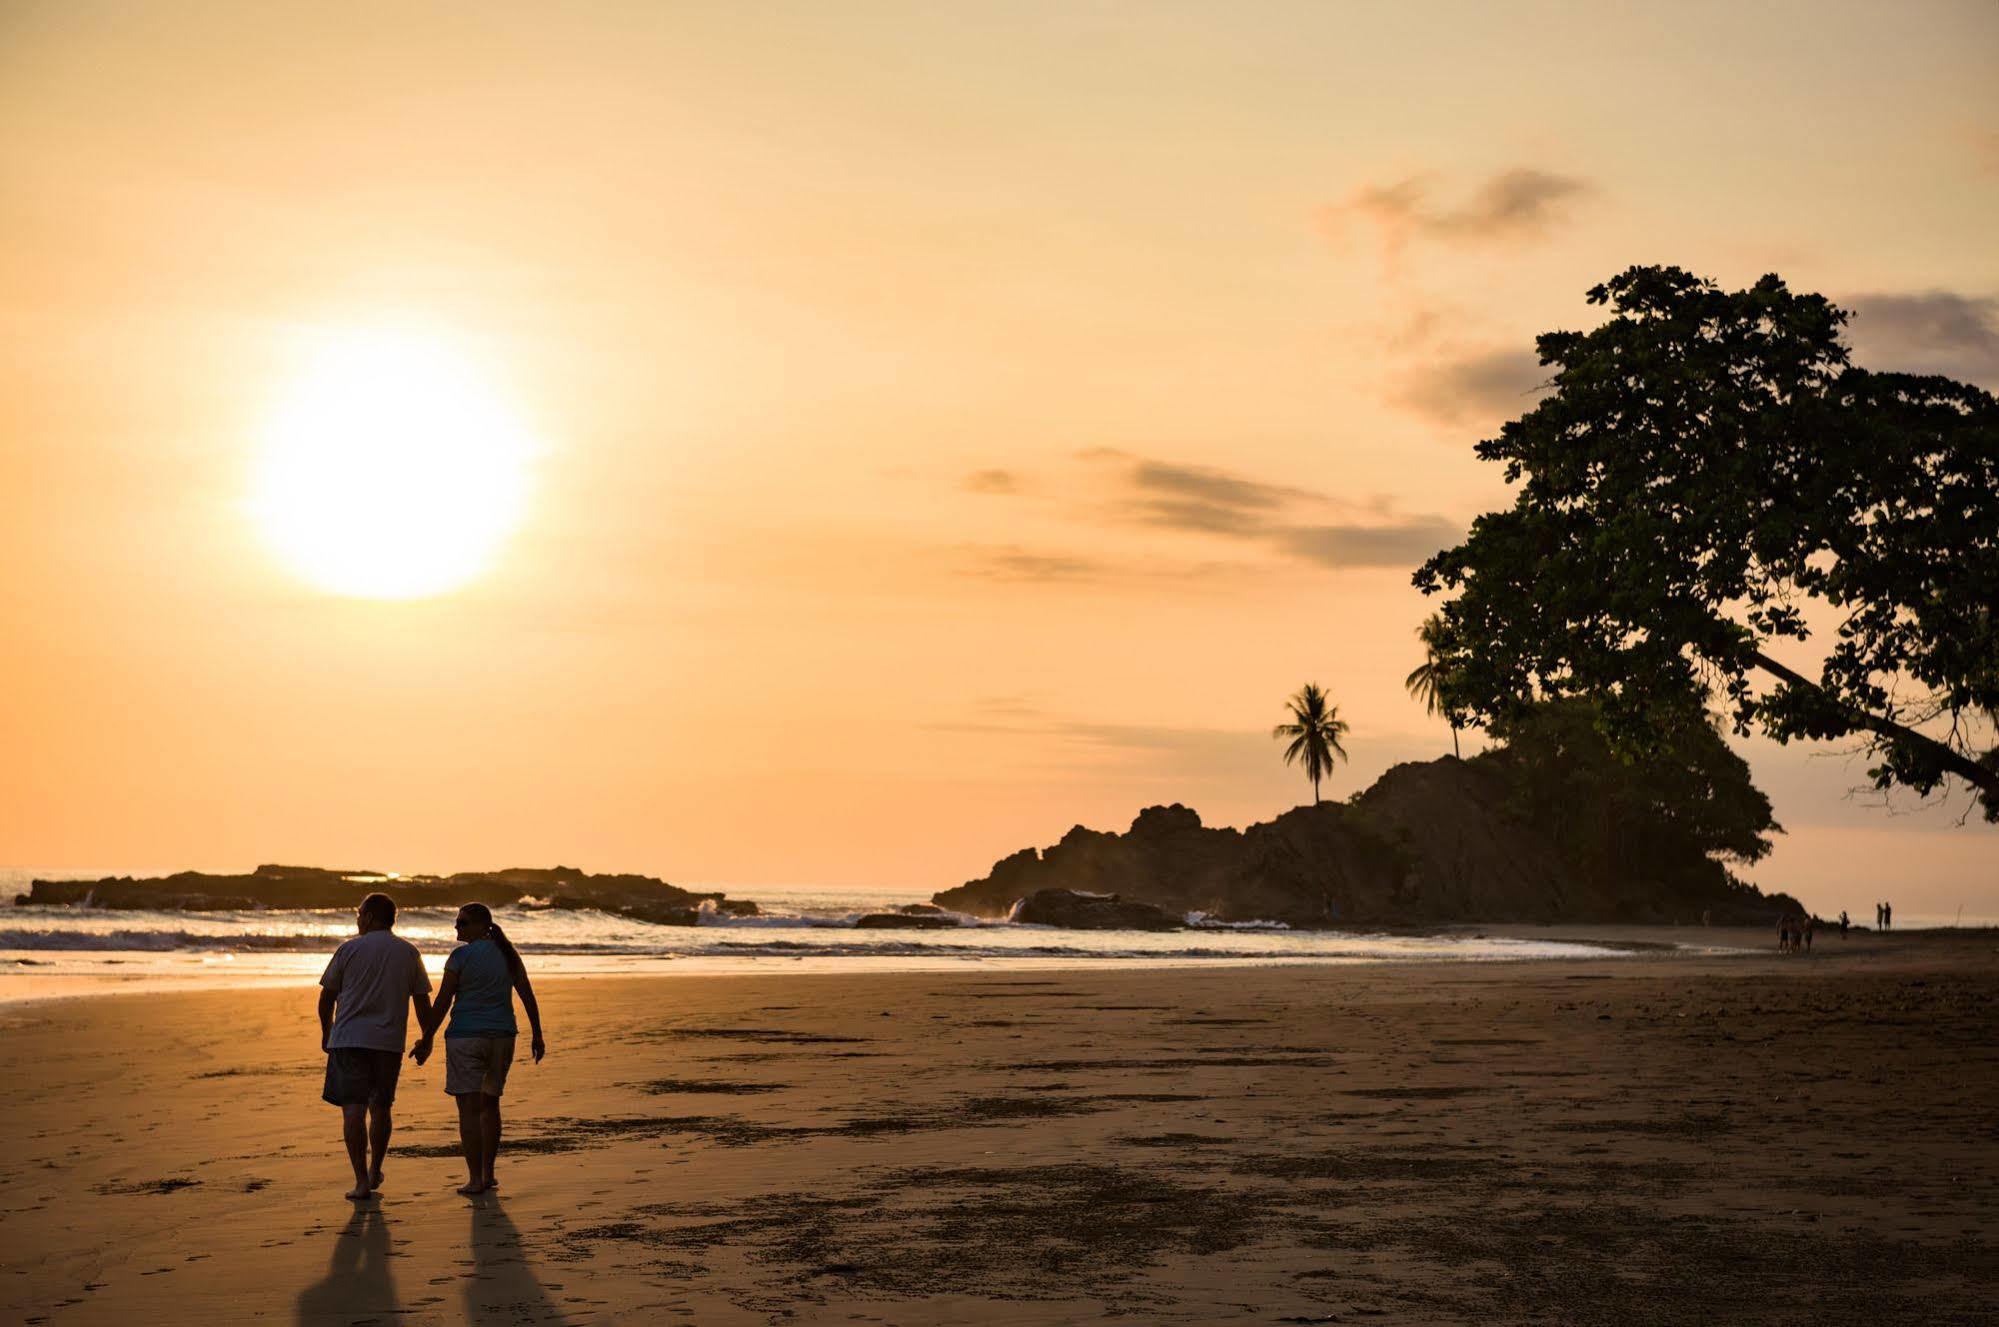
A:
x: 1806, y: 927
x: 364, y: 1001
x: 1843, y: 923
x: 477, y: 990
x: 1879, y: 912
x: 1784, y: 935
x: 1887, y: 916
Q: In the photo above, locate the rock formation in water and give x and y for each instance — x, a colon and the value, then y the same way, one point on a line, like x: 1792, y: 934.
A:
x: 1078, y: 911
x: 1429, y: 844
x: 907, y: 921
x: 637, y: 896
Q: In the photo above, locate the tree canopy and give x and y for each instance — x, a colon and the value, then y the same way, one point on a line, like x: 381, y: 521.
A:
x: 1714, y: 503
x: 1426, y: 680
x: 1672, y: 819
x: 1314, y: 733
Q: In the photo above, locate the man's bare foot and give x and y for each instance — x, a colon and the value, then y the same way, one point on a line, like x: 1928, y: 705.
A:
x: 359, y: 1192
x: 375, y: 1178
x: 472, y: 1187
x: 492, y: 1182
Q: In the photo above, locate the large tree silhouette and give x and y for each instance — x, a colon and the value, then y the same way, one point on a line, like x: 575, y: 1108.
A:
x: 1715, y: 504
x: 1314, y: 734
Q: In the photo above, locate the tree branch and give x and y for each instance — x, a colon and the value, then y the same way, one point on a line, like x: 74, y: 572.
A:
x: 1973, y: 773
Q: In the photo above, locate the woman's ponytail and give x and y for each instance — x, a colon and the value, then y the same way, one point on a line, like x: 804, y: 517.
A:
x: 514, y: 964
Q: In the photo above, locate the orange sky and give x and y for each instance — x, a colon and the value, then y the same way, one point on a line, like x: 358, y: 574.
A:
x: 956, y: 422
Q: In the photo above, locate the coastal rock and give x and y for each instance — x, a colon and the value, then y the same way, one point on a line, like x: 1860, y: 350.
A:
x: 639, y: 897
x: 907, y: 921
x: 1078, y: 910
x: 1430, y: 843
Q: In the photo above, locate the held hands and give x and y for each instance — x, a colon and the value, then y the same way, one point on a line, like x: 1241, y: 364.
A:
x: 421, y: 1051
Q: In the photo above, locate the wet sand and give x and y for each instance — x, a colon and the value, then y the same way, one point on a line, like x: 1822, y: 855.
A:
x: 1663, y: 1137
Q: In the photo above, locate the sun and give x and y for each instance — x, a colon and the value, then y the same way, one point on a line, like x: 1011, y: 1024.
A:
x: 389, y: 466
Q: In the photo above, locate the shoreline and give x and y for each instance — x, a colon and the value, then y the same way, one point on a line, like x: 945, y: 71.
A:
x: 27, y: 987
x: 1677, y: 943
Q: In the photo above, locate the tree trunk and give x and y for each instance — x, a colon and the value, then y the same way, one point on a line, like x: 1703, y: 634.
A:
x: 1454, y: 743
x: 1315, y: 790
x: 1973, y: 773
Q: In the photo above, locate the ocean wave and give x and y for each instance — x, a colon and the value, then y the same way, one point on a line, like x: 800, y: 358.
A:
x: 1204, y: 922
x: 155, y: 941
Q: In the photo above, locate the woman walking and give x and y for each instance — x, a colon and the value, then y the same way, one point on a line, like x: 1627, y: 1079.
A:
x: 477, y: 991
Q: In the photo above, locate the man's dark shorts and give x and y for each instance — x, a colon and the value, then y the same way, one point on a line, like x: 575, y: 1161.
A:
x: 356, y: 1077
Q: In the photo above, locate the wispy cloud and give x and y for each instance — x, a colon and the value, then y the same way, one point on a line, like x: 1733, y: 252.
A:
x: 1296, y: 523
x: 1204, y: 484
x: 1178, y: 749
x: 1518, y: 204
x: 1002, y: 482
x: 1474, y: 389
x: 1934, y: 331
x: 1286, y: 518
x: 1010, y: 562
x: 1401, y: 543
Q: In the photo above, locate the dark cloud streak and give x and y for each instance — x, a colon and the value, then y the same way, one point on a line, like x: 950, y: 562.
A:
x: 1401, y: 544
x: 1475, y: 389
x: 993, y: 481
x: 1519, y: 204
x: 1934, y: 331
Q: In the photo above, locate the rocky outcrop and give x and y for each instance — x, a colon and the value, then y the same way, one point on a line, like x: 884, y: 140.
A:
x: 908, y: 921
x: 1075, y: 910
x: 1429, y: 844
x: 637, y: 896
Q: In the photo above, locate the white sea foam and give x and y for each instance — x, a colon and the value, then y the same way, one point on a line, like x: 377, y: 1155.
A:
x: 815, y: 927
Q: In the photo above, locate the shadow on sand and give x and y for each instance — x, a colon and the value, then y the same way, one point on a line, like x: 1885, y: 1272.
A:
x: 503, y: 1286
x: 358, y: 1282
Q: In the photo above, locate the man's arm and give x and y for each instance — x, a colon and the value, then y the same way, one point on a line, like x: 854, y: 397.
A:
x: 430, y: 1014
x: 325, y: 1016
x: 526, y: 988
x: 422, y: 999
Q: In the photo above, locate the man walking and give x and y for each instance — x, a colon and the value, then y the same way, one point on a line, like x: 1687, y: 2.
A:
x: 364, y: 1002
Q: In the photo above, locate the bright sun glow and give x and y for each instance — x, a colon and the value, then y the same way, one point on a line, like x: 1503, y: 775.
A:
x: 390, y: 468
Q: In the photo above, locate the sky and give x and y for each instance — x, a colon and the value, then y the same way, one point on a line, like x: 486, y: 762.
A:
x: 943, y: 424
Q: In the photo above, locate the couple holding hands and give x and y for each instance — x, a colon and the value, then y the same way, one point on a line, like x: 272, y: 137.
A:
x: 364, y: 999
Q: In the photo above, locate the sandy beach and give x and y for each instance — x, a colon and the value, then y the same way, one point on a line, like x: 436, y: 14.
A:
x: 1662, y: 1137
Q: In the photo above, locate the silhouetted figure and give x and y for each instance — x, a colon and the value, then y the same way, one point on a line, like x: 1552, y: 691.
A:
x: 477, y: 990
x: 1806, y: 927
x: 1843, y: 923
x: 364, y: 1002
x: 1783, y: 935
x: 1879, y: 912
x: 1887, y: 916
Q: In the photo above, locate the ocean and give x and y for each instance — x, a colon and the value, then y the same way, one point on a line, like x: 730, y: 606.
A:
x: 802, y: 928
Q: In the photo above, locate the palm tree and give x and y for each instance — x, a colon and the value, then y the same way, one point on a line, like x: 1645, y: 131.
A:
x: 1315, y: 734
x: 1425, y: 680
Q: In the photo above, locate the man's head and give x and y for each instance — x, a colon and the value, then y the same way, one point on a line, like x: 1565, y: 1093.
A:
x: 377, y: 913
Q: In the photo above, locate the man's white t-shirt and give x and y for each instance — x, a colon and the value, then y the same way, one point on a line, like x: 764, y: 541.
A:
x: 372, y: 978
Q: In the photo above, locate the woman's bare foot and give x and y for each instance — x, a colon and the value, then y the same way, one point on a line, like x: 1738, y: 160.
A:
x: 472, y: 1187
x: 359, y: 1192
x: 375, y: 1178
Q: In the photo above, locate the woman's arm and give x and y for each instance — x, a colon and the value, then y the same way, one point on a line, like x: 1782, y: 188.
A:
x: 433, y: 1018
x: 526, y: 988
